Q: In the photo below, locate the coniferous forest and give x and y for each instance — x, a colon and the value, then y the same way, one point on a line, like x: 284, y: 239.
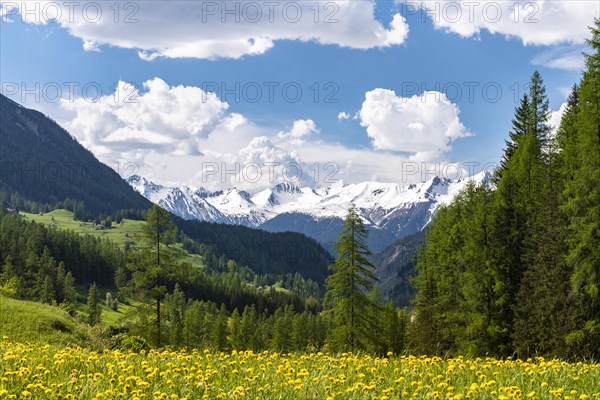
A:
x: 513, y: 267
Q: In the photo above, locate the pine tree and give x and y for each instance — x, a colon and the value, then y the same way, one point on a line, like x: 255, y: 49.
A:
x: 192, y: 324
x: 282, y: 334
x: 70, y: 293
x: 515, y: 218
x: 219, y: 330
x: 353, y: 276
x: 248, y: 328
x: 455, y: 307
x: 93, y: 305
x: 176, y: 308
x: 8, y: 270
x: 9, y: 281
x: 47, y: 294
x: 155, y: 264
x: 235, y: 329
x: 543, y: 309
x: 521, y: 124
x: 59, y: 281
x: 394, y: 328
x: 121, y: 282
x: 583, y: 204
x: 540, y: 109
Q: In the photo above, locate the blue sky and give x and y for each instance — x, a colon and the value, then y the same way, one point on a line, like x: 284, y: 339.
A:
x: 182, y: 131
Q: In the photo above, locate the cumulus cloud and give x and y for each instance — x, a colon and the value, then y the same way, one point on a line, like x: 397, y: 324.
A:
x: 171, y: 119
x: 300, y: 129
x: 539, y: 22
x: 423, y: 125
x: 343, y: 115
x: 171, y: 133
x: 214, y: 29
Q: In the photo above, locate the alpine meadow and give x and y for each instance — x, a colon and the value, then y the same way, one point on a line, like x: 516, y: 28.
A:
x: 300, y: 200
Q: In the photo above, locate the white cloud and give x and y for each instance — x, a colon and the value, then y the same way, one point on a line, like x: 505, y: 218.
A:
x: 538, y: 22
x: 90, y: 45
x: 211, y: 29
x: 343, y: 115
x: 565, y: 58
x: 171, y: 119
x: 173, y: 132
x: 423, y: 125
x: 300, y: 129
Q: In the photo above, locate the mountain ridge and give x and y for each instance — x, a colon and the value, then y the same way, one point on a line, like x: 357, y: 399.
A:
x: 391, y: 211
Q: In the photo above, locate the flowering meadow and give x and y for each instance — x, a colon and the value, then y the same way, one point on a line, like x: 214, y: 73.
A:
x: 29, y: 371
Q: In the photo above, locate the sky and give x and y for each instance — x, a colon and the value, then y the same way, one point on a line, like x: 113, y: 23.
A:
x: 252, y: 93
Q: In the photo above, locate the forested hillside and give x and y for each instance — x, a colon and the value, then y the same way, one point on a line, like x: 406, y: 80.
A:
x: 516, y: 268
x: 264, y: 252
x: 43, y: 163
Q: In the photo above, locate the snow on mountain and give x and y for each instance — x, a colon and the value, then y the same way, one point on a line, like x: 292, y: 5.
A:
x: 391, y: 210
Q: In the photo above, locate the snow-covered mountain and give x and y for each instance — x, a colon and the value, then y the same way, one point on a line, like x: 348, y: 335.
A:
x: 390, y: 210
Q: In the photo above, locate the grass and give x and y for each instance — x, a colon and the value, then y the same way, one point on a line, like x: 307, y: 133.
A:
x: 28, y: 321
x: 128, y: 230
x: 108, y: 316
x: 53, y: 372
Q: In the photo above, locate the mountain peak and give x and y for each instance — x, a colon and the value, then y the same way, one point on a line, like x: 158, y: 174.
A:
x: 286, y: 187
x: 391, y: 208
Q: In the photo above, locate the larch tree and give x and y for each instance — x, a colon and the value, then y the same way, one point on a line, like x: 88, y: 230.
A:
x: 155, y: 263
x: 347, y: 288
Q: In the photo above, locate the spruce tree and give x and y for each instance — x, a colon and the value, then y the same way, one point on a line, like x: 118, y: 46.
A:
x: 515, y: 218
x: 93, y: 305
x: 47, y: 294
x: 70, y: 293
x: 155, y: 264
x: 583, y: 204
x: 352, y: 278
x: 219, y: 330
x: 60, y: 280
x: 521, y: 124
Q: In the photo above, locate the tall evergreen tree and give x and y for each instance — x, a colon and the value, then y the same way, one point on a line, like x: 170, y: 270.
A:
x: 518, y: 198
x: 70, y: 293
x: 47, y: 294
x: 353, y: 276
x: 583, y: 203
x: 155, y: 263
x: 93, y: 305
x: 455, y: 307
x: 540, y: 109
x: 521, y: 124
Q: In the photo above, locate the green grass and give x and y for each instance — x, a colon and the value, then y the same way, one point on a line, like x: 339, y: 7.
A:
x: 127, y: 231
x: 27, y: 321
